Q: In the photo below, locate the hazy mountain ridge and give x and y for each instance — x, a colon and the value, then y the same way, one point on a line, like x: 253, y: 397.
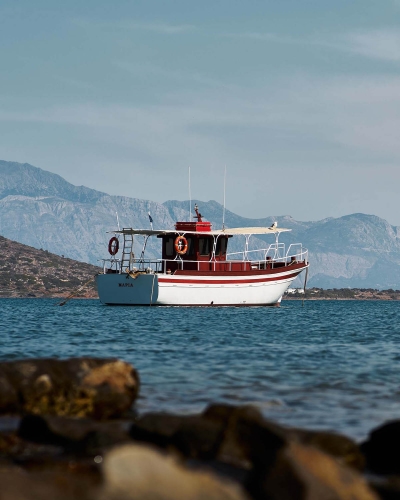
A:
x: 27, y: 180
x: 43, y: 210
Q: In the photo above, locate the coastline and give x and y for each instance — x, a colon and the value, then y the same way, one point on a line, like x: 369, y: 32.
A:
x: 349, y: 299
x: 342, y: 294
x: 284, y: 298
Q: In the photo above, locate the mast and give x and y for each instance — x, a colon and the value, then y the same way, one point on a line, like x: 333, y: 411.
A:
x: 223, y: 211
x: 190, y: 199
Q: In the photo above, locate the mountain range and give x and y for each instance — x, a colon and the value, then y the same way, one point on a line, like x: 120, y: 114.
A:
x: 43, y: 210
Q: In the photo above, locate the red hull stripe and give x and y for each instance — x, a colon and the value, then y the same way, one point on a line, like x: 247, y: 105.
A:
x: 225, y: 282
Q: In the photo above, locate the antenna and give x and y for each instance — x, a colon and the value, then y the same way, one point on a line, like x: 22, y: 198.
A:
x: 223, y: 211
x: 116, y: 213
x: 151, y: 221
x: 190, y: 199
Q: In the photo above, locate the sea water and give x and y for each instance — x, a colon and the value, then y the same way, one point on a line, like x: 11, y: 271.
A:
x: 328, y: 365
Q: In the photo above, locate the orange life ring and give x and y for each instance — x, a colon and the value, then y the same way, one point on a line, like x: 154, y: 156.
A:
x: 181, y: 245
x: 113, y: 246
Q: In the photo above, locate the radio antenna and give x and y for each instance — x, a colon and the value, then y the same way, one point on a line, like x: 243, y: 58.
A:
x: 190, y: 199
x: 223, y: 211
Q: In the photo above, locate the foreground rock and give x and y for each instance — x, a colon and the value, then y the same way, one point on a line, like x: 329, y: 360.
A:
x: 382, y: 449
x: 338, y: 446
x: 225, y: 452
x: 51, y: 484
x: 236, y: 435
x: 74, y: 435
x: 270, y: 461
x: 66, y: 433
x: 302, y: 472
x: 135, y: 472
x: 98, y: 388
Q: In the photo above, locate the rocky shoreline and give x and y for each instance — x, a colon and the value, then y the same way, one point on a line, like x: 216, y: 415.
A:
x: 342, y: 294
x: 68, y: 430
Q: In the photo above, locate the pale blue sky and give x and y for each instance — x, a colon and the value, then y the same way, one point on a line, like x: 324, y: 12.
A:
x: 300, y: 100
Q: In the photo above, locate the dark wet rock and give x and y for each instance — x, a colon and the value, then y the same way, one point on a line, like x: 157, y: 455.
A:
x: 305, y: 473
x: 80, y: 435
x: 8, y: 395
x: 382, y: 449
x: 249, y: 439
x: 51, y: 484
x: 8, y: 438
x: 236, y: 435
x: 387, y: 487
x: 156, y: 428
x: 279, y: 464
x: 336, y: 445
x: 135, y: 472
x: 198, y: 438
x: 232, y: 441
x: 35, y: 455
x: 269, y: 461
x: 99, y: 388
x: 14, y: 449
x: 9, y: 423
x: 193, y: 436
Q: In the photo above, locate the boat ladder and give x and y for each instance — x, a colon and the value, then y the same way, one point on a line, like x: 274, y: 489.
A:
x: 127, y: 252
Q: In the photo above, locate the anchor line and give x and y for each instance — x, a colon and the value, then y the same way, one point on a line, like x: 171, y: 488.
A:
x: 305, y: 284
x: 72, y: 294
x: 152, y: 290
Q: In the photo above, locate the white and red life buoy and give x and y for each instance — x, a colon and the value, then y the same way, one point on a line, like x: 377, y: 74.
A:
x: 181, y: 245
x: 113, y: 246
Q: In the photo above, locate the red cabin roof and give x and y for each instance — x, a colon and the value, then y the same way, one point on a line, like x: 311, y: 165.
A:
x: 201, y: 227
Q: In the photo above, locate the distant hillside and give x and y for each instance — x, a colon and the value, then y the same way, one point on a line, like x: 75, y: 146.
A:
x: 43, y: 210
x: 28, y: 272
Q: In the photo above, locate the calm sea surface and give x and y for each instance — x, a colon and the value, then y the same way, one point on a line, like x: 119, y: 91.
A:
x: 327, y: 365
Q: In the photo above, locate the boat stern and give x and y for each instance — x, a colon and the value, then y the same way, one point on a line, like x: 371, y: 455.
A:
x: 127, y: 289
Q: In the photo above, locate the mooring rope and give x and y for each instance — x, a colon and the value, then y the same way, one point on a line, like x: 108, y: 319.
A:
x: 152, y: 290
x: 305, y: 284
x: 133, y: 274
x: 72, y: 294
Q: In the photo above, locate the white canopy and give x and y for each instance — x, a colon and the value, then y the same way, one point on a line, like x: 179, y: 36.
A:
x: 227, y: 232
x: 252, y: 230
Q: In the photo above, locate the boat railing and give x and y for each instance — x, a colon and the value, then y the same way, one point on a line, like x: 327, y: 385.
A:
x: 114, y: 266
x: 274, y: 251
x: 270, y: 257
x: 296, y: 252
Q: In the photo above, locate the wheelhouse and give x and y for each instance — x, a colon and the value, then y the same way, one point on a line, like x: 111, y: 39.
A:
x: 199, y: 248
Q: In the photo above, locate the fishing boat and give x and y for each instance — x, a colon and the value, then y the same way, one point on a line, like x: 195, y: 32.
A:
x: 195, y: 268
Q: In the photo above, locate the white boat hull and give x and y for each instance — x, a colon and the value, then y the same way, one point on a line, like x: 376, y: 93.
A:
x: 194, y: 290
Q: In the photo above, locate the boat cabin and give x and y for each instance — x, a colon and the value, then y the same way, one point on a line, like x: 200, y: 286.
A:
x: 193, y: 248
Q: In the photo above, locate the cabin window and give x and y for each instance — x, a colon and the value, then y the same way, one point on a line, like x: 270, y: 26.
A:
x: 204, y: 246
x: 190, y: 250
x: 221, y: 246
x: 169, y: 246
x: 224, y: 244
